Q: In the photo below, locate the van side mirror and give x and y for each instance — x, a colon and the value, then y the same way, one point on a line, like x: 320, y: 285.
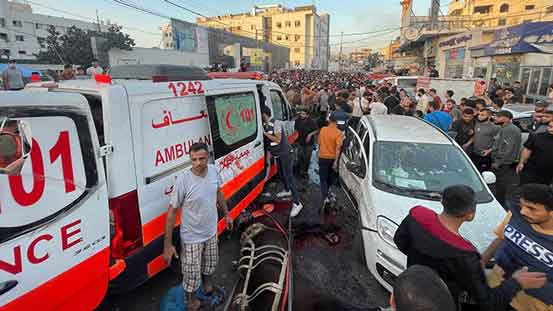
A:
x: 489, y: 178
x: 15, y: 145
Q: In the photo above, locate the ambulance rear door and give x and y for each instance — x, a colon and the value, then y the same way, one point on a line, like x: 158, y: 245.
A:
x: 54, y: 220
x: 236, y: 129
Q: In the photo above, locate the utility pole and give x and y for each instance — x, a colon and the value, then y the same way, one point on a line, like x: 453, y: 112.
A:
x: 340, y: 55
x: 98, y: 21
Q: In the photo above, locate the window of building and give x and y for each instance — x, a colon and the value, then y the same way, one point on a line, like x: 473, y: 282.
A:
x: 17, y: 23
x: 2, y: 22
x: 5, y: 52
x: 297, y: 38
x: 297, y: 23
x: 297, y: 50
x: 279, y: 25
x: 549, y: 10
x: 457, y: 12
x: 529, y: 7
x: 484, y: 9
x: 252, y: 27
x: 288, y: 24
x: 504, y: 8
x: 279, y: 38
x: 287, y: 38
x: 3, y: 36
x: 19, y: 38
x: 22, y: 52
x: 502, y: 22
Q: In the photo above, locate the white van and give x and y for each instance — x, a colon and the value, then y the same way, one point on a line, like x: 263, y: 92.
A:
x: 88, y: 208
x: 391, y: 164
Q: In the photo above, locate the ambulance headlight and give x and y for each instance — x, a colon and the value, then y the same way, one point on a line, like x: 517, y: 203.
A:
x: 386, y: 230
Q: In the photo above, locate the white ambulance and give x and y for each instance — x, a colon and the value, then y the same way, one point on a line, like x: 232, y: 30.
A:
x: 87, y: 207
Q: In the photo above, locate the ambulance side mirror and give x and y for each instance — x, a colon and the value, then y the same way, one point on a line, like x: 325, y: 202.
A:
x: 15, y: 145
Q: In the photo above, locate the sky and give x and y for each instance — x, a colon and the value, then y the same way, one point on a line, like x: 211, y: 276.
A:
x: 348, y: 16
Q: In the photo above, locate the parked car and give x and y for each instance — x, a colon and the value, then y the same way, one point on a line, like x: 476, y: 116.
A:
x: 392, y: 163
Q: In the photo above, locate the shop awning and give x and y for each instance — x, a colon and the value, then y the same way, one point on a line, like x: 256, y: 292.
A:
x: 525, y: 38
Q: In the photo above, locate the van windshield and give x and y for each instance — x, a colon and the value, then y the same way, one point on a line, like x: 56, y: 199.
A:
x: 423, y: 170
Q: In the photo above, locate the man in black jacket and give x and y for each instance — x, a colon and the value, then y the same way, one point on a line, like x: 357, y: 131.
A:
x: 433, y: 240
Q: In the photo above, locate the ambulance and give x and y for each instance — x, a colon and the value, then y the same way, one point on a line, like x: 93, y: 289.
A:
x: 86, y: 209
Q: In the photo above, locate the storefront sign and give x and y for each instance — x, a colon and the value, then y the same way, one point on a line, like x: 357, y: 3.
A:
x: 520, y: 39
x: 456, y: 41
x: 456, y: 54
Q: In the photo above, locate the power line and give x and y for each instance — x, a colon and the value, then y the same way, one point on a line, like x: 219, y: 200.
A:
x: 88, y: 19
x: 274, y: 31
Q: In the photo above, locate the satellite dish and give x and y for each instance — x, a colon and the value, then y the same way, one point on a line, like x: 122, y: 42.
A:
x: 412, y: 34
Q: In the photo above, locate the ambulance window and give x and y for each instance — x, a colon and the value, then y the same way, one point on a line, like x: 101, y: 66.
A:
x: 58, y: 175
x: 279, y: 106
x: 95, y: 103
x: 234, y: 121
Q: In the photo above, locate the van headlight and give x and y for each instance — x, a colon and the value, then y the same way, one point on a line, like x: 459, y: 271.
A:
x: 386, y: 229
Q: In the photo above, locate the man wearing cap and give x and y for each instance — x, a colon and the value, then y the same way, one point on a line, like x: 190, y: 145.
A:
x: 13, y: 77
x: 505, y: 152
x: 330, y: 145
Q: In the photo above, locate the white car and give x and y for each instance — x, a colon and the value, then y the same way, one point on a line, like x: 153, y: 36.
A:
x: 392, y: 163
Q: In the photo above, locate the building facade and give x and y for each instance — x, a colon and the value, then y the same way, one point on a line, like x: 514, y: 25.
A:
x: 22, y: 31
x: 301, y: 29
x: 224, y: 47
x: 497, y: 13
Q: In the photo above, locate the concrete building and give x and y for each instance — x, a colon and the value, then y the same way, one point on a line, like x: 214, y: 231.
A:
x: 224, y: 47
x: 360, y: 56
x: 301, y: 29
x: 156, y: 56
x: 21, y: 30
x: 494, y: 13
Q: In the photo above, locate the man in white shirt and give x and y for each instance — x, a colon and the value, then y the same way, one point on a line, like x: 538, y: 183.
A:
x: 422, y: 101
x: 197, y: 192
x: 94, y: 69
x: 377, y: 107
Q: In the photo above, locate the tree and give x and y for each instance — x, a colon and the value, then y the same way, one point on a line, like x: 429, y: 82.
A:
x: 74, y: 46
x: 52, y: 45
x: 118, y: 39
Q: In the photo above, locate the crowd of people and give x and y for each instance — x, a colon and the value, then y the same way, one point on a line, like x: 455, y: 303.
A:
x: 521, y: 277
x: 13, y: 79
x: 479, y: 125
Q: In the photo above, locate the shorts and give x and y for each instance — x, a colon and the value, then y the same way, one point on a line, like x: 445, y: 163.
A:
x: 198, y: 259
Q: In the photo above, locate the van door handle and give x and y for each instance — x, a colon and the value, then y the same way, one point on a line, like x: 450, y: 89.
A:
x: 7, y: 286
x: 257, y: 144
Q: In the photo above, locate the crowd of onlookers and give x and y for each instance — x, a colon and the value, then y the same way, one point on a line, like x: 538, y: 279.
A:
x: 13, y: 79
x: 522, y: 269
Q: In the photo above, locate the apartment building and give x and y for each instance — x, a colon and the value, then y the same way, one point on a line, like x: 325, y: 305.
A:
x: 360, y: 56
x: 497, y: 13
x: 22, y: 30
x: 301, y: 29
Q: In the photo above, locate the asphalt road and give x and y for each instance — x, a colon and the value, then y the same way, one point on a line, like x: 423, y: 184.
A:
x: 334, y: 276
